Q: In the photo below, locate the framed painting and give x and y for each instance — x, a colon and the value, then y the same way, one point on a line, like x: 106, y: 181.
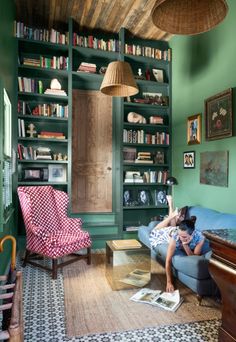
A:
x: 218, y: 115
x: 214, y: 168
x: 189, y: 160
x: 194, y: 129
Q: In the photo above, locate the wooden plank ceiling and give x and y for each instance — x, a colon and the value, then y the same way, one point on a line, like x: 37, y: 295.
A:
x: 106, y: 15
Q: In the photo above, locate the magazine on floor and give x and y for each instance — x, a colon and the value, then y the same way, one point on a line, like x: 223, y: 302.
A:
x: 137, y: 278
x: 165, y: 300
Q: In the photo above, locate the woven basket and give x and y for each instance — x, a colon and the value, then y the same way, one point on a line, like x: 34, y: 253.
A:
x: 188, y: 17
x: 119, y: 80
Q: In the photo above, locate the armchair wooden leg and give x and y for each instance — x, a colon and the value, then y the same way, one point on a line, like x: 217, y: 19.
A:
x: 89, y: 255
x: 199, y: 299
x: 26, y: 258
x: 54, y: 268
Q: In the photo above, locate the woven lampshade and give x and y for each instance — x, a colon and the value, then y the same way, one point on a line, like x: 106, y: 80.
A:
x: 119, y: 80
x: 188, y: 17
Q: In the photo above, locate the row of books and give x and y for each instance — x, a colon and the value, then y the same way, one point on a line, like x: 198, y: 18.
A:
x: 31, y: 85
x: 150, y: 176
x: 141, y: 137
x: 54, y: 62
x: 31, y: 153
x: 145, y: 51
x: 52, y: 36
x: 95, y: 43
x: 45, y: 109
x: 136, y: 177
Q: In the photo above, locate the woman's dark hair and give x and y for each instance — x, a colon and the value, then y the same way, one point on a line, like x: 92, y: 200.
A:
x: 188, y: 225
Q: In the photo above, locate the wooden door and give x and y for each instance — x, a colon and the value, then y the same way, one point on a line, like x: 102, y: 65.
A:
x: 91, y: 152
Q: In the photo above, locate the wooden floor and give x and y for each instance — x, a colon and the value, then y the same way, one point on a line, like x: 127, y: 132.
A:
x: 92, y: 307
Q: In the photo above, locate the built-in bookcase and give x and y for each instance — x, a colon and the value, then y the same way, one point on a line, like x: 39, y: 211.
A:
x: 40, y: 60
x: 43, y: 149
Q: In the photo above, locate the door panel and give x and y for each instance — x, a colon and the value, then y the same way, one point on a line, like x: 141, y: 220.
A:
x: 91, y: 152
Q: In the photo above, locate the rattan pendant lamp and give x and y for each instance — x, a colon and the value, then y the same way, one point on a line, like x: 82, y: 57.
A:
x: 119, y: 80
x: 188, y: 17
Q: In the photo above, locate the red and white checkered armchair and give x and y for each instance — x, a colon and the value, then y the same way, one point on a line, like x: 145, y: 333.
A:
x: 49, y: 232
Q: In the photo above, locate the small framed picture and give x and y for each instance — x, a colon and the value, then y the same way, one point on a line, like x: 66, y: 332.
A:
x: 189, y: 160
x: 35, y: 174
x: 160, y: 197
x: 194, y: 129
x: 218, y: 113
x: 144, y: 197
x: 56, y: 173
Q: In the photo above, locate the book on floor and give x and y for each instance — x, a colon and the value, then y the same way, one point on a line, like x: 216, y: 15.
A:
x: 123, y: 244
x: 169, y: 301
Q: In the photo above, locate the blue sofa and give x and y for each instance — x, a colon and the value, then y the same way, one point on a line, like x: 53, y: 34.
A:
x: 192, y: 270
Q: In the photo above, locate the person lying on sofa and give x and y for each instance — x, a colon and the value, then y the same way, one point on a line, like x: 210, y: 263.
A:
x: 181, y: 239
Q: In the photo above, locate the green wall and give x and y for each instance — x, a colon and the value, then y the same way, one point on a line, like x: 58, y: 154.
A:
x: 8, y: 77
x: 203, y: 65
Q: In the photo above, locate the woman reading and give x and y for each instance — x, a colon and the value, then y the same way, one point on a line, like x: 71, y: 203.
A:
x: 181, y: 237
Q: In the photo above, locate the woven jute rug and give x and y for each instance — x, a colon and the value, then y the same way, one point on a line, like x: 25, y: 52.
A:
x: 92, y: 307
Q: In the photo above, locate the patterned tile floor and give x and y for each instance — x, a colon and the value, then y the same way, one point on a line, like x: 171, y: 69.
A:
x: 44, y: 318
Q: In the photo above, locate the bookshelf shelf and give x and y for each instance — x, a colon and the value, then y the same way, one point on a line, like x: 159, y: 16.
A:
x: 34, y: 71
x: 44, y: 140
x: 144, y: 207
x: 42, y: 183
x: 41, y: 117
x: 87, y: 76
x: 140, y: 185
x: 41, y: 161
x: 145, y: 145
x: 36, y: 96
x: 29, y: 44
x: 151, y: 126
x: 96, y: 52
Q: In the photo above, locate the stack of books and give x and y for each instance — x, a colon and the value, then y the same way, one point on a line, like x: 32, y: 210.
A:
x: 133, y: 177
x: 51, y: 135
x: 87, y: 67
x: 31, y: 61
x: 144, y: 157
x: 158, y: 120
x: 43, y: 153
x: 60, y: 92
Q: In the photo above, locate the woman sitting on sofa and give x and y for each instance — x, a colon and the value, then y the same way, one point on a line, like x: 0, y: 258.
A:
x: 181, y: 236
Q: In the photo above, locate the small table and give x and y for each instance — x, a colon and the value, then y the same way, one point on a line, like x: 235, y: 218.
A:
x: 129, y: 267
x: 222, y: 267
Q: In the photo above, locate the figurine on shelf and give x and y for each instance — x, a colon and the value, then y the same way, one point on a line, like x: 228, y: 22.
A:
x: 136, y: 118
x: 65, y: 157
x: 31, y: 131
x: 59, y: 156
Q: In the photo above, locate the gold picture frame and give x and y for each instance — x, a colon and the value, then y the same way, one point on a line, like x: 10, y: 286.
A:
x: 194, y: 124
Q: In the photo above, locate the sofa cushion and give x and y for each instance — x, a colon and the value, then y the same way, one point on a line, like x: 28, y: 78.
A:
x: 211, y: 219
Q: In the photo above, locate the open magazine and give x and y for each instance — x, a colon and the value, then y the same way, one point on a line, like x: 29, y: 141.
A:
x: 165, y: 300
